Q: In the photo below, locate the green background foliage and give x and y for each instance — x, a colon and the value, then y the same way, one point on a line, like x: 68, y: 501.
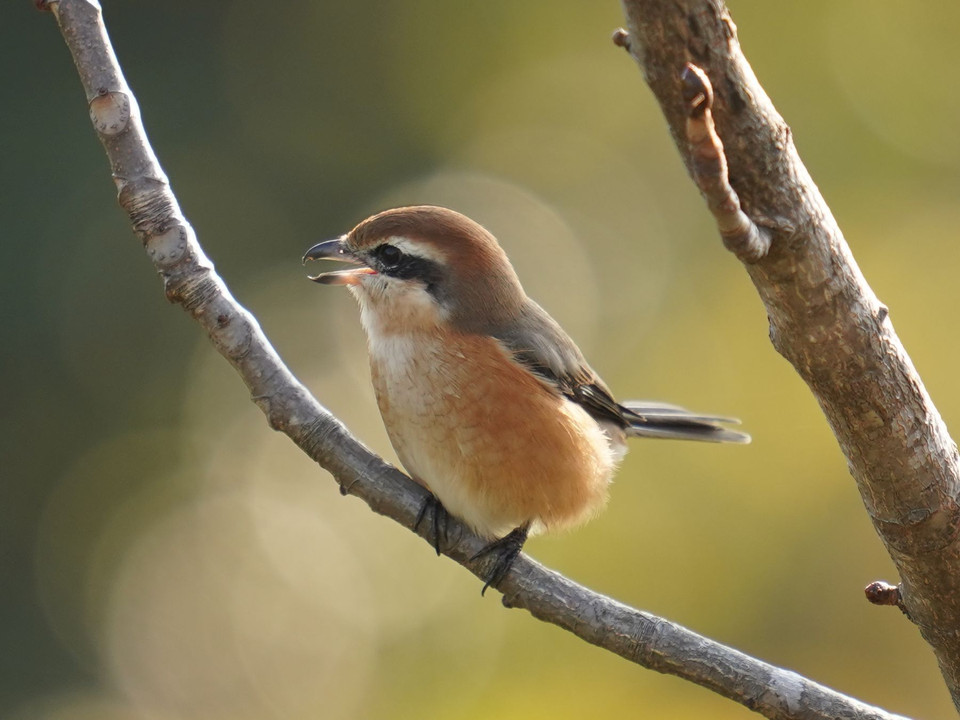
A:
x: 164, y: 556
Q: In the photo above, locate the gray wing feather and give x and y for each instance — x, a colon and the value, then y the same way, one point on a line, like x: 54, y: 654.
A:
x: 538, y: 341
x: 650, y: 419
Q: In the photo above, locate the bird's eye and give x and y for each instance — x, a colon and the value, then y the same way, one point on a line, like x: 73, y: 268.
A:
x: 389, y: 255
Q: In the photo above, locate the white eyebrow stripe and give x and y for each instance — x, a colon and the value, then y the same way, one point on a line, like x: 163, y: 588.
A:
x: 417, y: 249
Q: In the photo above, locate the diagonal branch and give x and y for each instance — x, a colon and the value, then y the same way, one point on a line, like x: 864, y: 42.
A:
x: 824, y: 318
x: 190, y: 281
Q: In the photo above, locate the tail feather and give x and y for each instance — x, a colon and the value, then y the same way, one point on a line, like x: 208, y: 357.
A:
x: 659, y: 420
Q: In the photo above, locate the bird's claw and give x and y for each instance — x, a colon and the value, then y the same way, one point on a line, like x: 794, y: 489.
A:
x: 505, y: 550
x: 439, y: 519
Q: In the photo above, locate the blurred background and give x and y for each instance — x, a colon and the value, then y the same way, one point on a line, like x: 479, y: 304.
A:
x: 165, y: 556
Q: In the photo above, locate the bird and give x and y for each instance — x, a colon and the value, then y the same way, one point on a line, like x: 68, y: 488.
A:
x: 488, y: 403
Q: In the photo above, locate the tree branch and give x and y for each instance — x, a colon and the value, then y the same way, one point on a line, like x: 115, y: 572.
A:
x: 824, y: 318
x: 190, y: 281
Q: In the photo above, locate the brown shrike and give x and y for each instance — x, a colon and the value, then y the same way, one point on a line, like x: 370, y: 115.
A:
x: 488, y: 403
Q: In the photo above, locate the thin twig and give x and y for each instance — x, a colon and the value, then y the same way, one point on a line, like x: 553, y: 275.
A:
x: 190, y: 281
x: 740, y: 234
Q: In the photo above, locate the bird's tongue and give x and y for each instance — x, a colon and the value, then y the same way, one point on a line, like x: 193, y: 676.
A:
x: 343, y: 277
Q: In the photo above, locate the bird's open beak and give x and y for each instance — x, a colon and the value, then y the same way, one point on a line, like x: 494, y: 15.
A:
x: 335, y: 250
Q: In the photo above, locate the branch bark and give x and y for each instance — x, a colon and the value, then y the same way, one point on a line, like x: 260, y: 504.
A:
x: 190, y: 281
x: 824, y: 318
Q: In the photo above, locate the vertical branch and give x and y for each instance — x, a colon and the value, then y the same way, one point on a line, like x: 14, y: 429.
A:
x: 824, y: 317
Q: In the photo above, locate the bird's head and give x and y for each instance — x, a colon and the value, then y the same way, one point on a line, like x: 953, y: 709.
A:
x: 424, y: 266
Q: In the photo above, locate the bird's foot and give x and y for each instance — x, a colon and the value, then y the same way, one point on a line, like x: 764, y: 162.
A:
x: 439, y: 519
x: 505, y: 551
